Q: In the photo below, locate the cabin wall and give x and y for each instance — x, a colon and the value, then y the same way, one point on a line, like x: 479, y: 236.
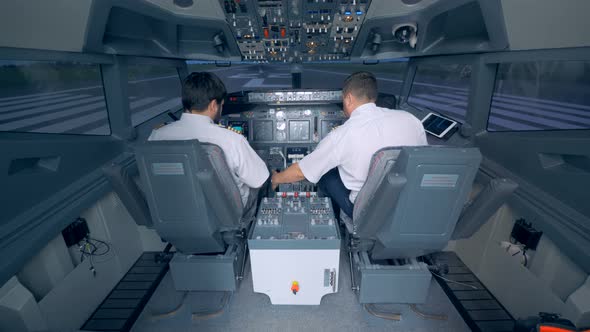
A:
x: 52, y: 177
x: 544, y: 24
x: 544, y: 285
x: 550, y: 165
x: 50, y: 25
x: 64, y: 290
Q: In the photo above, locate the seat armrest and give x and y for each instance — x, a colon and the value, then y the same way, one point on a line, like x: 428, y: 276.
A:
x: 121, y: 179
x: 485, y: 204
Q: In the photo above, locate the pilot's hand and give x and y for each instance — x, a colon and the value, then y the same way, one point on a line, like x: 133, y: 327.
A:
x: 273, y: 180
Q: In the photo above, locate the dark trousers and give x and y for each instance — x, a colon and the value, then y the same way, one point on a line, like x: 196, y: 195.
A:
x: 332, y: 186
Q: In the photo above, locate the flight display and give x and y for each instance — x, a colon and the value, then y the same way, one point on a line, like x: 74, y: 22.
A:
x: 263, y: 131
x: 299, y: 130
x: 240, y: 127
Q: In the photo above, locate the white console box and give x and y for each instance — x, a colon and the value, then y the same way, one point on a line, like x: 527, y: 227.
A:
x: 295, y: 240
x: 315, y: 270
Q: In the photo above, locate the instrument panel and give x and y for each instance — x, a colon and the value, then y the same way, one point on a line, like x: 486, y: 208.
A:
x: 285, y: 126
x: 295, y: 96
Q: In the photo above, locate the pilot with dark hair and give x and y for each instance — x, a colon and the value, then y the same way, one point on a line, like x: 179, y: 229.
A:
x: 202, y: 98
x: 340, y: 163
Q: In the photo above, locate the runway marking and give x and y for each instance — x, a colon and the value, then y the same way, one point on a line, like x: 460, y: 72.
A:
x: 258, y: 83
x: 561, y: 114
x: 9, y: 109
x: 514, y: 114
x: 534, y: 119
x: 16, y: 102
x: 84, y: 88
x: 71, y: 124
x: 244, y: 76
x: 86, y: 119
x: 46, y: 117
x: 53, y: 93
x: 348, y: 74
x: 41, y: 94
x: 539, y: 103
x: 46, y: 109
x: 240, y: 67
x: 281, y: 76
x: 154, y: 79
x: 535, y: 100
x: 461, y: 114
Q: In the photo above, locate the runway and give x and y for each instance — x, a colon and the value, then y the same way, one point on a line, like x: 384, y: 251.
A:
x: 83, y: 110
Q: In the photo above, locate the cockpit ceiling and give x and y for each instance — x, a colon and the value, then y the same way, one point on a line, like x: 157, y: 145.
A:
x: 299, y: 30
x: 292, y: 30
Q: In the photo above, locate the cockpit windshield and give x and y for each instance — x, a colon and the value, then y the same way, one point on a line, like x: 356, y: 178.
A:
x: 269, y: 76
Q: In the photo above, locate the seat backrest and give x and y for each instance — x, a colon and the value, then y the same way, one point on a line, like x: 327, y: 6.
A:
x: 191, y: 194
x: 412, y: 199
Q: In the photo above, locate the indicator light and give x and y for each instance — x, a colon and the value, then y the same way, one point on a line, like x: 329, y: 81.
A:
x: 295, y: 287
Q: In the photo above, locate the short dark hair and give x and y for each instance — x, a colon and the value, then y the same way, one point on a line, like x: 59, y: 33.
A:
x: 199, y: 88
x: 362, y: 85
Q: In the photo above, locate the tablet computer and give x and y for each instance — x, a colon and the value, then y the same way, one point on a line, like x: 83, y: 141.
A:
x: 439, y: 126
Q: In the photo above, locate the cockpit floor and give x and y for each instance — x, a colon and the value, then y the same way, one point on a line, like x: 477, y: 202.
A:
x: 249, y: 311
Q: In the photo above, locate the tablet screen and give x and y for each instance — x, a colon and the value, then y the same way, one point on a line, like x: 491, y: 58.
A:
x: 437, y: 125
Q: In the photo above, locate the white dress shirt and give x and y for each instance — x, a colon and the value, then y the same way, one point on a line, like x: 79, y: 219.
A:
x: 351, y: 146
x: 248, y: 170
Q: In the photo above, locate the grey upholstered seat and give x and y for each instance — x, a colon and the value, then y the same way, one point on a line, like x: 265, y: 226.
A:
x: 193, y: 200
x: 412, y: 200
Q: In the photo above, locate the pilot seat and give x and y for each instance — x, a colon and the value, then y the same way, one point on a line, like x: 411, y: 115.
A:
x: 196, y: 206
x: 408, y: 208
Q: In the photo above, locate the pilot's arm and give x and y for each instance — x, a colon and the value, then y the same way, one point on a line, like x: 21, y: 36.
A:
x: 313, y: 166
x: 292, y: 174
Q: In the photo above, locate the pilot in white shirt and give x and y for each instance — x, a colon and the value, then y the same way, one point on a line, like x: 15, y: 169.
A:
x: 202, y: 98
x: 340, y: 163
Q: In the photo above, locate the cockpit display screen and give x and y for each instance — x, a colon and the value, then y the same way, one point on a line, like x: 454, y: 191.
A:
x: 263, y: 130
x: 240, y: 127
x: 299, y: 130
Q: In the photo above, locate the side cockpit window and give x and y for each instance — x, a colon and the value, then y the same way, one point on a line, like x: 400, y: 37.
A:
x: 52, y: 97
x: 443, y: 89
x: 153, y: 90
x: 541, y: 95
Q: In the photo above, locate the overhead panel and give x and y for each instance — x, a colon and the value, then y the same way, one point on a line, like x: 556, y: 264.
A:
x: 295, y: 30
